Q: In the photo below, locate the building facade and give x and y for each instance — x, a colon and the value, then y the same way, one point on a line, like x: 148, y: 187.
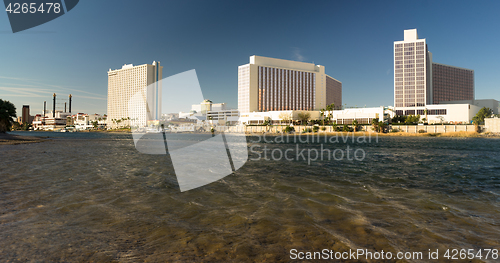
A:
x: 412, y: 71
x: 269, y: 84
x: 130, y: 83
x: 436, y: 92
x: 26, y: 117
x: 451, y: 83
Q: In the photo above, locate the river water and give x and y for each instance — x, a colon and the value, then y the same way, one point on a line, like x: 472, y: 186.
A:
x: 83, y: 197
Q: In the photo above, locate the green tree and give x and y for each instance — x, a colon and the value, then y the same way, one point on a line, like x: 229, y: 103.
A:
x: 7, y: 115
x: 355, y: 125
x: 335, y: 126
x: 289, y: 129
x: 303, y: 116
x: 375, y: 123
x: 330, y: 108
x: 412, y: 119
x: 482, y: 114
x: 322, y: 113
x: 25, y: 126
x: 398, y: 119
x: 16, y: 126
x: 381, y: 127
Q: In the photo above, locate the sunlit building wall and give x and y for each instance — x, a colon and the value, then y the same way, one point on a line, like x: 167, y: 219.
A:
x: 126, y: 82
x: 269, y: 84
x: 451, y: 83
x: 412, y: 71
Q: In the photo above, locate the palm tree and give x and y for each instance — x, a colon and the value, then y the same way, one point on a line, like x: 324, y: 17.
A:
x: 7, y: 113
x: 355, y: 124
x: 330, y: 108
x: 322, y: 112
x: 375, y: 124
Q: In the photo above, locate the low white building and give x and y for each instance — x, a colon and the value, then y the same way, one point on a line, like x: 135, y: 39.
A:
x: 223, y: 117
x: 51, y: 120
x: 488, y: 103
x: 199, y: 111
x: 83, y: 121
x: 443, y: 113
x: 362, y: 115
x: 347, y: 116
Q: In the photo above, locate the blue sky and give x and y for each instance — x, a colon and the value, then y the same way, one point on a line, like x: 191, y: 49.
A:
x: 352, y: 39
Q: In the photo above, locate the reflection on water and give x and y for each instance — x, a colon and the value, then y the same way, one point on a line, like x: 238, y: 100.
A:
x: 93, y: 197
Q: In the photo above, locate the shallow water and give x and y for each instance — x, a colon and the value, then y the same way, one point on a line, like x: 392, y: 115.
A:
x: 93, y: 197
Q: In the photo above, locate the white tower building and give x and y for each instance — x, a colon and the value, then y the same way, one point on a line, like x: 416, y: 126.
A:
x: 126, y: 82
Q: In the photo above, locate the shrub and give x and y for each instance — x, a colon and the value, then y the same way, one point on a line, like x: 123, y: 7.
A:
x: 395, y: 130
x: 307, y: 130
x: 323, y: 128
x: 289, y: 129
x: 315, y: 128
x: 422, y: 131
x: 346, y: 128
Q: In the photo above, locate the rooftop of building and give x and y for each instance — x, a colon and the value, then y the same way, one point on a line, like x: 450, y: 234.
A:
x: 283, y: 63
x: 451, y: 66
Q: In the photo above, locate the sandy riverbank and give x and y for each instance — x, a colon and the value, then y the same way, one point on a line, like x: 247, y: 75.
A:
x: 10, y: 139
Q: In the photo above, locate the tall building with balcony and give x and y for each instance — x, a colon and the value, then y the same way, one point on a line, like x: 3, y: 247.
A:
x: 127, y: 82
x: 270, y: 84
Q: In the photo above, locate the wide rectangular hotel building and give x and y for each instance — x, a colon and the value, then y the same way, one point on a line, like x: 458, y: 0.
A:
x: 124, y: 84
x: 270, y: 84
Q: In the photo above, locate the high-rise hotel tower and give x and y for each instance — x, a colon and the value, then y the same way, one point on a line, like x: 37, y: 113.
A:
x: 412, y: 71
x: 270, y: 84
x: 127, y: 82
x: 419, y: 82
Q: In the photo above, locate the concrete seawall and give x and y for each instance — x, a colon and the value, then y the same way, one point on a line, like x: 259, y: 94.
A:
x: 403, y: 128
x: 492, y: 125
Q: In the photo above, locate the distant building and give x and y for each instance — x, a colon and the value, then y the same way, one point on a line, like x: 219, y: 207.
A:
x: 441, y: 92
x: 451, y: 83
x: 199, y: 111
x: 26, y: 117
x: 170, y: 116
x: 83, y: 121
x: 223, y: 117
x: 206, y: 106
x: 270, y: 84
x: 126, y: 82
x: 52, y: 120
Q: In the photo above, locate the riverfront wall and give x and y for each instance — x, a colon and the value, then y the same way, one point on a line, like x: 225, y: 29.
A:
x: 402, y: 128
x: 492, y: 125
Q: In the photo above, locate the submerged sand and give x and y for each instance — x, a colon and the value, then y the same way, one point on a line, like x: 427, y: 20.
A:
x: 10, y: 139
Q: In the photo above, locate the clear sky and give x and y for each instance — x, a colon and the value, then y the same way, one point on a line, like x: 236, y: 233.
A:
x: 352, y: 39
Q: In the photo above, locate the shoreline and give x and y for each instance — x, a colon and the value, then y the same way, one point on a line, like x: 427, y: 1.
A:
x: 11, y: 139
x: 460, y: 134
